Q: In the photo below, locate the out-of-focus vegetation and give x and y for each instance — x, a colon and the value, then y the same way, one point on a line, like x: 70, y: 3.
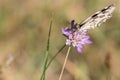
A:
x: 24, y: 26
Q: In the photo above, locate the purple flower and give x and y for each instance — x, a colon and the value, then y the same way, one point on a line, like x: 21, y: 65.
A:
x: 66, y: 31
x: 75, y: 37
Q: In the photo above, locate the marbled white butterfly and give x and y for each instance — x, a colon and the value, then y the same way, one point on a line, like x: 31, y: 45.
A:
x: 97, y: 18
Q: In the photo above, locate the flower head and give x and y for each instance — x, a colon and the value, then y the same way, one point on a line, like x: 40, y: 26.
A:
x: 75, y: 37
x: 67, y: 31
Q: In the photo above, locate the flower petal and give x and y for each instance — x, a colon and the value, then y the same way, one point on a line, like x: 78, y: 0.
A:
x: 88, y: 41
x: 86, y: 37
x: 68, y: 42
x: 80, y: 46
x: 66, y: 31
x: 79, y: 49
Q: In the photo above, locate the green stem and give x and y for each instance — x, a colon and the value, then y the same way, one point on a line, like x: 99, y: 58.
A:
x: 44, y: 70
x: 47, y: 52
x: 55, y: 56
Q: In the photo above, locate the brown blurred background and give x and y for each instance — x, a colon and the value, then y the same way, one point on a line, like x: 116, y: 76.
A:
x: 24, y: 26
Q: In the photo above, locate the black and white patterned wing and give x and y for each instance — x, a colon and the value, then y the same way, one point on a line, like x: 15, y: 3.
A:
x: 97, y: 18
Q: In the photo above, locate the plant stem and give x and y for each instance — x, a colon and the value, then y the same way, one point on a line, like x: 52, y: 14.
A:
x: 55, y: 56
x: 60, y: 77
x: 47, y: 52
x: 44, y: 70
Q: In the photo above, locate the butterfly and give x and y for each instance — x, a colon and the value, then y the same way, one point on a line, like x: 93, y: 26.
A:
x: 97, y: 18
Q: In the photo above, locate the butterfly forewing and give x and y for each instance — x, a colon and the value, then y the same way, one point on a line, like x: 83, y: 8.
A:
x: 97, y: 18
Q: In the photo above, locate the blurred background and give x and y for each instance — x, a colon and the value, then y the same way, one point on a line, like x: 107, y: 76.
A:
x: 24, y: 26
